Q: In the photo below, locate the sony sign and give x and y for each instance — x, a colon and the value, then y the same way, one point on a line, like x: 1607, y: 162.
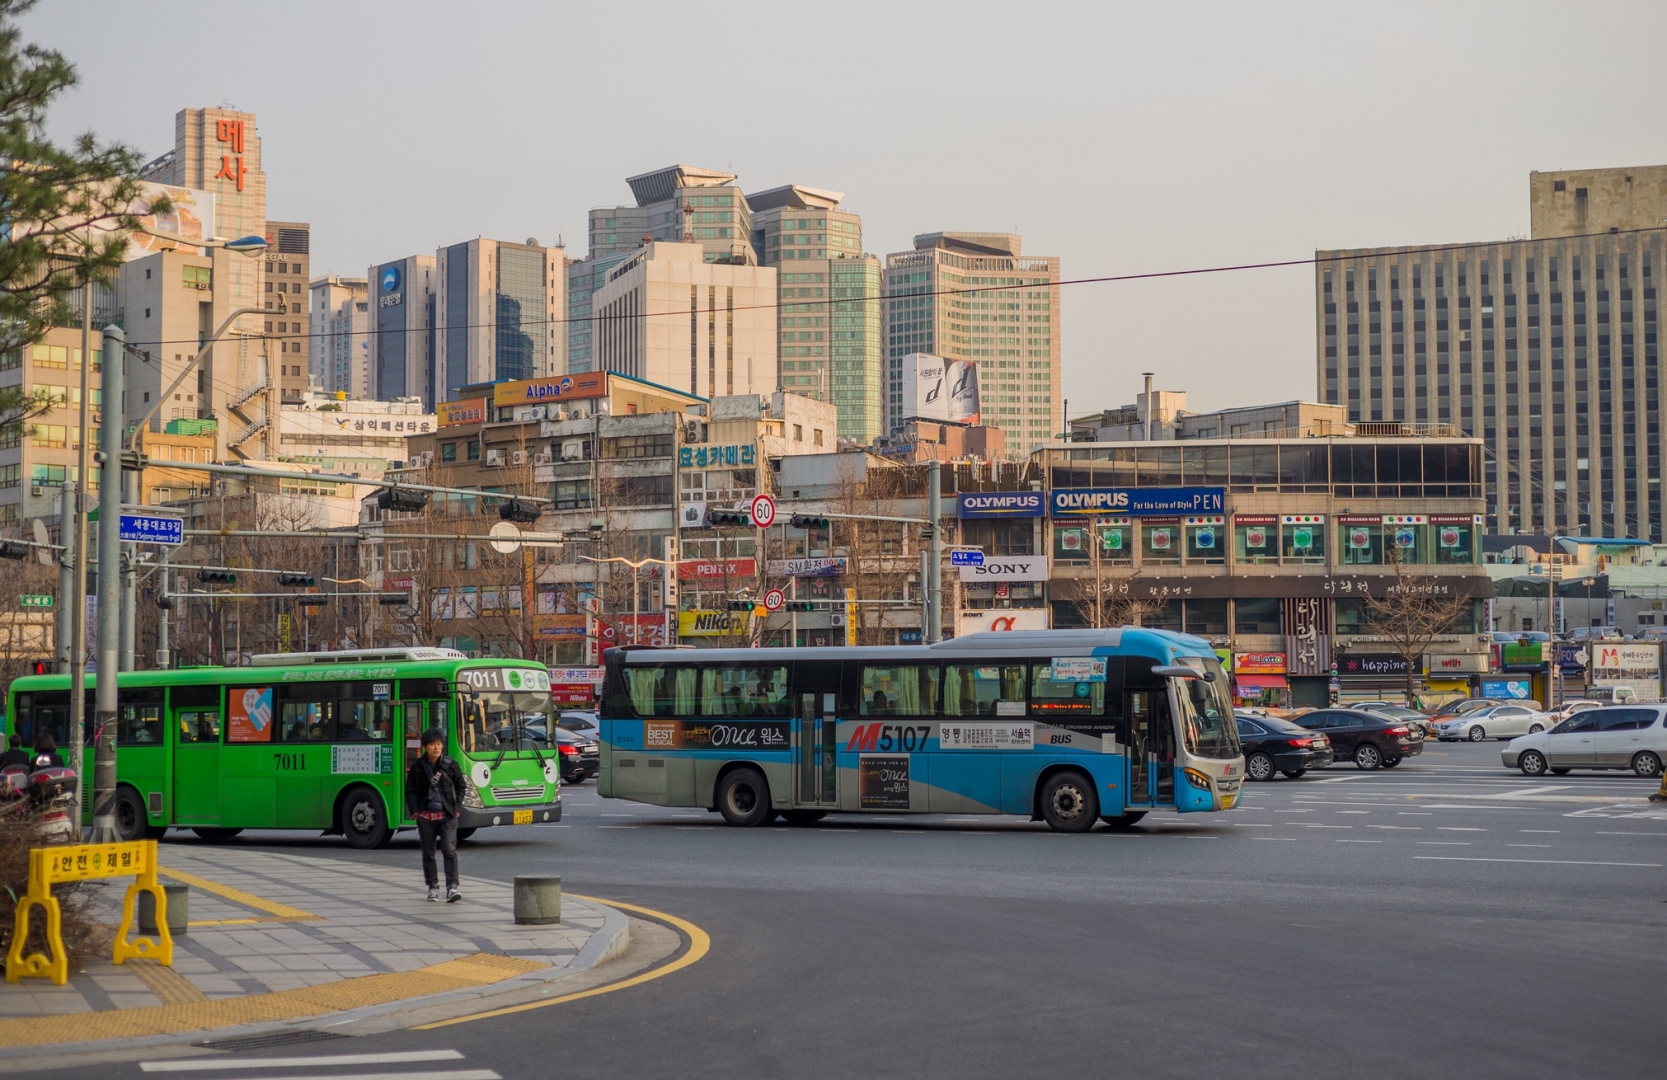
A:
x: 1008, y: 568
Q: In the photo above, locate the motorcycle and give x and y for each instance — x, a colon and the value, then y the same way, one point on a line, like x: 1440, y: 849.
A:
x: 48, y: 798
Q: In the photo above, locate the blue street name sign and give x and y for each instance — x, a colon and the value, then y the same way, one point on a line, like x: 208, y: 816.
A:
x: 152, y: 529
x: 966, y: 558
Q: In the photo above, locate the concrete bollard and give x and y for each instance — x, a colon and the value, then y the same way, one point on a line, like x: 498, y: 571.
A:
x: 179, y: 910
x: 537, y: 899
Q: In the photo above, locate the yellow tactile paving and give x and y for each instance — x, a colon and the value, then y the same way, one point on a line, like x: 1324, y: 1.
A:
x: 169, y: 986
x: 277, y: 912
x: 480, y: 969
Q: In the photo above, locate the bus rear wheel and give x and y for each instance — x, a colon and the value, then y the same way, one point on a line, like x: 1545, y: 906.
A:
x: 744, y: 798
x: 131, y: 823
x: 216, y: 836
x: 1069, y: 803
x: 364, y: 821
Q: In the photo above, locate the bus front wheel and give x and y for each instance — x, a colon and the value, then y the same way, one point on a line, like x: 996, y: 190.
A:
x: 1069, y: 803
x: 744, y: 798
x: 364, y: 820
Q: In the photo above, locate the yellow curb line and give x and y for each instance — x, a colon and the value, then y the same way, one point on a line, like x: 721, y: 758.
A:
x: 279, y: 912
x: 699, y: 945
x: 479, y: 969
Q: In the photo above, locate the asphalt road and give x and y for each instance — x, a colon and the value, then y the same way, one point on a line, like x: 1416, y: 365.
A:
x: 1445, y: 919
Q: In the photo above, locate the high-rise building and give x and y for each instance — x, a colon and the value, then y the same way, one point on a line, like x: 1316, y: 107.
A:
x: 584, y: 277
x: 341, y: 357
x: 499, y: 313
x: 830, y: 307
x: 175, y: 299
x: 288, y: 322
x: 1547, y: 348
x: 976, y: 297
x: 678, y: 204
x: 668, y: 316
x: 403, y: 319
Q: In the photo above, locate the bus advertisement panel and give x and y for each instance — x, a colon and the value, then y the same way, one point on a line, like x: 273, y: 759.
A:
x: 1070, y: 727
x: 316, y: 741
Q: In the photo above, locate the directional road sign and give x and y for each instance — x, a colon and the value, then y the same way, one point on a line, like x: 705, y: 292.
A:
x: 35, y: 600
x: 966, y: 558
x: 774, y: 599
x: 763, y: 511
x: 152, y: 529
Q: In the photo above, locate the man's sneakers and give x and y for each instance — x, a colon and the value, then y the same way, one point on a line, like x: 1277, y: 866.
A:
x: 453, y: 894
x: 434, y: 894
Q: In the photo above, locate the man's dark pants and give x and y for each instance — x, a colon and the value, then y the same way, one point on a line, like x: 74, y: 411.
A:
x: 445, y: 832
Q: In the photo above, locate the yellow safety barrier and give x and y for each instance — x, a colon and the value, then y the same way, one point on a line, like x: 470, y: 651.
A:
x: 50, y: 866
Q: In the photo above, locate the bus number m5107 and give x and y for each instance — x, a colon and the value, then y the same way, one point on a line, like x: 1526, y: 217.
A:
x: 889, y: 737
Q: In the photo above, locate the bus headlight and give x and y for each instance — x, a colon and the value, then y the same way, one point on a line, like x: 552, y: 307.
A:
x: 1197, y: 779
x: 471, y: 798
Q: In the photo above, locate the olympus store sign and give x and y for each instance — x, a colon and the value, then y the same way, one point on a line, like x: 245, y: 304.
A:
x: 1008, y: 568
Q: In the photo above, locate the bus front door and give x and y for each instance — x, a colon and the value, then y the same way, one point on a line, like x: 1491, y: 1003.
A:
x: 815, y: 774
x: 1151, y: 779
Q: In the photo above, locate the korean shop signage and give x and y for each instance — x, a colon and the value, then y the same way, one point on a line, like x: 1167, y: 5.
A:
x: 1259, y: 663
x: 833, y: 566
x: 715, y: 457
x: 472, y: 411
x: 230, y: 134
x: 999, y: 504
x: 589, y: 384
x: 1147, y: 502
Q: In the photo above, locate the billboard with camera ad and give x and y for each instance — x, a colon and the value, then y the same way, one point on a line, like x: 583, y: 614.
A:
x: 939, y: 389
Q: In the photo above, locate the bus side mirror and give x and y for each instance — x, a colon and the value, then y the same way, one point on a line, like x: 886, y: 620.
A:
x: 1180, y: 671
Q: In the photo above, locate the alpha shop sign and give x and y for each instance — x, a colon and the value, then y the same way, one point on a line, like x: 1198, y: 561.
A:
x: 589, y: 384
x: 1000, y: 504
x: 1008, y: 568
x: 1139, y: 502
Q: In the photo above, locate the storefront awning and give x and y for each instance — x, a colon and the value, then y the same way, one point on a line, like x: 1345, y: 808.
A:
x: 1250, y: 685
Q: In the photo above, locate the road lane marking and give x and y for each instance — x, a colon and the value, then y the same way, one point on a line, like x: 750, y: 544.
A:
x: 1400, y: 828
x: 1632, y: 834
x: 1458, y: 828
x: 1445, y: 843
x: 619, y: 826
x: 218, y: 1063
x: 1539, y: 862
x: 1539, y: 830
x: 1529, y: 845
x: 699, y: 945
x: 1328, y: 826
x: 1292, y: 839
x: 1341, y: 840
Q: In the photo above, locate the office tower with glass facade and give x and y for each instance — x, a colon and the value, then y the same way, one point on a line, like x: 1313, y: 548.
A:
x: 977, y: 297
x: 402, y: 318
x: 1547, y: 348
x: 668, y: 316
x: 678, y: 204
x: 830, y: 308
x: 341, y: 360
x: 500, y: 313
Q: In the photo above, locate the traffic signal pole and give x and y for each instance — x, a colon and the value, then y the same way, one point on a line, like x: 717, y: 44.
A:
x: 109, y: 583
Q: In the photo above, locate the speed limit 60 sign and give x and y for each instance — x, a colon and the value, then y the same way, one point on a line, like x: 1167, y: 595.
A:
x: 773, y: 600
x: 763, y: 511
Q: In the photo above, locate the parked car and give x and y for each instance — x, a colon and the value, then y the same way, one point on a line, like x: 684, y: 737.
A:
x: 1510, y: 637
x: 1569, y: 708
x: 1455, y: 708
x: 1611, y: 737
x: 1412, y: 717
x: 584, y: 722
x: 1596, y: 633
x: 1493, y: 722
x: 581, y: 756
x: 1369, y: 739
x: 1273, y: 745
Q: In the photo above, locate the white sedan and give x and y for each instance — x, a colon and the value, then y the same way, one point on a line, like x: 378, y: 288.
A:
x: 1493, y: 722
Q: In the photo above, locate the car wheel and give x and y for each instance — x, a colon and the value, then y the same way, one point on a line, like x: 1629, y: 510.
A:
x: 1390, y: 763
x: 1477, y: 733
x: 1532, y: 763
x: 1259, y: 766
x: 744, y: 798
x: 364, y: 820
x: 1368, y: 757
x: 1646, y: 763
x: 1295, y: 774
x: 1069, y: 802
x: 1560, y: 772
x: 1128, y: 820
x: 1535, y: 729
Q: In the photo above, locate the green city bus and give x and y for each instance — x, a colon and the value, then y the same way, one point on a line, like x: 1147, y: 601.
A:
x: 313, y: 741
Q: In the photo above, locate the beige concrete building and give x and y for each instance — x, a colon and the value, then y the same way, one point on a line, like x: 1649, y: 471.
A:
x: 499, y: 313
x: 830, y: 308
x: 288, y: 320
x: 1546, y: 348
x: 670, y: 317
x: 977, y: 297
x: 341, y: 353
x: 678, y: 204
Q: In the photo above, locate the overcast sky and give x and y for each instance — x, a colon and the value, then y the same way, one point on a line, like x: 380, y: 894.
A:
x: 1121, y: 137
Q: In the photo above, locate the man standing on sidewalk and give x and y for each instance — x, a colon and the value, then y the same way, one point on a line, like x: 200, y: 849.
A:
x: 434, y: 796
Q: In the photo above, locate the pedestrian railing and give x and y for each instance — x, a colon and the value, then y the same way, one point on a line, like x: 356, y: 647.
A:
x: 81, y: 862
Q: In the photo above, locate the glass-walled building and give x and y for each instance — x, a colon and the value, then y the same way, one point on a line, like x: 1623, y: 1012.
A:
x: 1269, y: 547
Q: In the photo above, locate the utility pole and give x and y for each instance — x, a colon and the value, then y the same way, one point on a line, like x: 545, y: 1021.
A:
x: 934, y: 513
x: 164, y: 601
x: 68, y: 501
x: 109, y: 584
x: 78, y: 591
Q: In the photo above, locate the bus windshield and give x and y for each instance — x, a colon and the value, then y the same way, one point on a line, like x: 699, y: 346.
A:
x: 491, y: 722
x: 1207, y: 712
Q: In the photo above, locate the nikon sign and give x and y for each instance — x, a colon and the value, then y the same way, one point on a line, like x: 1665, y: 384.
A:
x: 1007, y: 568
x: 712, y: 623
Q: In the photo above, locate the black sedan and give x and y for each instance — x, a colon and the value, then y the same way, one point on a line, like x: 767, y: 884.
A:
x: 1371, y: 739
x: 1273, y: 745
x: 581, y: 755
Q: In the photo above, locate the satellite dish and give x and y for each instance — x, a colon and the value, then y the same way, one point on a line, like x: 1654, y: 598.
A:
x: 44, y: 551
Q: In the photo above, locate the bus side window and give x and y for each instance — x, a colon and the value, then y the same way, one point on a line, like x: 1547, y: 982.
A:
x: 199, y: 726
x: 139, y: 717
x: 898, y: 690
x: 414, y: 726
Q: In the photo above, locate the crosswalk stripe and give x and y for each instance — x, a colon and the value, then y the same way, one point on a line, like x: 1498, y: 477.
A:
x: 216, y: 1064
x: 454, y: 1074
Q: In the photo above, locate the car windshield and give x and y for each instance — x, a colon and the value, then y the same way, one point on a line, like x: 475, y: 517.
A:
x: 1206, y: 711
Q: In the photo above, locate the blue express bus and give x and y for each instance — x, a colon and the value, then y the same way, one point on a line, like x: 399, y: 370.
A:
x: 1069, y: 727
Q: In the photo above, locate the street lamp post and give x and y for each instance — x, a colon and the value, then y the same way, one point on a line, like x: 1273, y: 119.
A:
x: 636, y: 565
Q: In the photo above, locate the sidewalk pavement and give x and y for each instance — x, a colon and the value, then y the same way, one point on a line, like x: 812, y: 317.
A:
x: 278, y: 938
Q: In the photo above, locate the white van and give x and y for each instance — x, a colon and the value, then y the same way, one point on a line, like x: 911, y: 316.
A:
x: 1612, y: 737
